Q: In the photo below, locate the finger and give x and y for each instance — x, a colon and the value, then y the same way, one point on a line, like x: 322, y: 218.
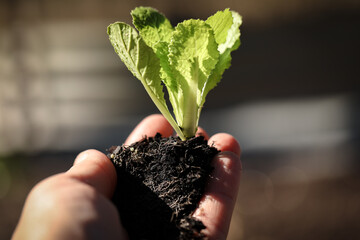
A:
x: 225, y: 143
x: 217, y: 204
x: 201, y: 132
x: 70, y: 205
x: 148, y: 127
x: 94, y: 168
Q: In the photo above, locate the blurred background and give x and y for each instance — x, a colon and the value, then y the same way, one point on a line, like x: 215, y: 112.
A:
x: 291, y: 98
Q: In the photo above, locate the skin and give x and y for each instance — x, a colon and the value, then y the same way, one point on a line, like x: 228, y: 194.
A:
x: 76, y: 204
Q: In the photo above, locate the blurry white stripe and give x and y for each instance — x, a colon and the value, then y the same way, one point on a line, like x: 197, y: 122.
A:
x: 286, y: 123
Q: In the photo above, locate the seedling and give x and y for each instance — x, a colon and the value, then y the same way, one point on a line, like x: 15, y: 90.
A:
x: 188, y: 59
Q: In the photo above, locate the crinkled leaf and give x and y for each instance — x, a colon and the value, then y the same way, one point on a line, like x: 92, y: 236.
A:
x: 231, y: 43
x: 233, y: 35
x: 221, y: 22
x: 153, y: 26
x: 156, y: 31
x: 192, y: 57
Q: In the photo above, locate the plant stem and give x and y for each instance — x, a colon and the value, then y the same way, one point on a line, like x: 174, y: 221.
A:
x: 165, y: 112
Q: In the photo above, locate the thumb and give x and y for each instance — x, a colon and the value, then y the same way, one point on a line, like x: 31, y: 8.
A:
x: 95, y: 169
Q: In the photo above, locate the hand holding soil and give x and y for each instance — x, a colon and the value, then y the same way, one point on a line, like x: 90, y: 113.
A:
x: 77, y: 204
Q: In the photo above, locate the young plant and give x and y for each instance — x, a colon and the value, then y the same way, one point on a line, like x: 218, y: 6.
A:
x: 189, y: 59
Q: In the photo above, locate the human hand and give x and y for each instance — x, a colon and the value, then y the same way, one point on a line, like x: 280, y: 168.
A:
x: 73, y: 205
x: 216, y: 207
x: 76, y: 204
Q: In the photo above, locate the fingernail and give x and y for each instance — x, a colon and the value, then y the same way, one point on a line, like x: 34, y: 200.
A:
x: 81, y: 157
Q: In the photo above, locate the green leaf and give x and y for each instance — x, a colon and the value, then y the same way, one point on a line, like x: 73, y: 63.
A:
x: 137, y: 56
x: 221, y: 22
x: 156, y: 30
x: 141, y: 60
x: 189, y: 59
x: 153, y: 26
x: 231, y: 43
x: 192, y: 57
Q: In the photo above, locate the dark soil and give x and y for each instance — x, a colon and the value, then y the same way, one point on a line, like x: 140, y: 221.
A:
x: 160, y: 183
